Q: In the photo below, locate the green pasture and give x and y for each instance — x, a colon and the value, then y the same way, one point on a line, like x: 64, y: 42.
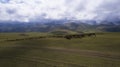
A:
x: 100, y: 51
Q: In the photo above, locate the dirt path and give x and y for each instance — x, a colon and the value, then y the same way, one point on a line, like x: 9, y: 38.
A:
x: 44, y: 60
x: 88, y: 53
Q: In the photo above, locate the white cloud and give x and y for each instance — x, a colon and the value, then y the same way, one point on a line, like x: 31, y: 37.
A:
x: 28, y: 10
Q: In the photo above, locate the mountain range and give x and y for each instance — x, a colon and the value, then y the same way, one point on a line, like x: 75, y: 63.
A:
x: 61, y: 25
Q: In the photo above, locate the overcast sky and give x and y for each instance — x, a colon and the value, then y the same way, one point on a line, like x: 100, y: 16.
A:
x: 35, y: 10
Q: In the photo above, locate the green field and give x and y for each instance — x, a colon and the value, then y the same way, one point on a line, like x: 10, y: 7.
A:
x: 100, y: 51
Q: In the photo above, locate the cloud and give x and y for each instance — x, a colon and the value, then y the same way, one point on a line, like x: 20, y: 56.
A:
x: 4, y: 1
x: 108, y: 10
x: 35, y: 10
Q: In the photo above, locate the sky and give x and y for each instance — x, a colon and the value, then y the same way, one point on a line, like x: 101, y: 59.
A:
x: 36, y: 10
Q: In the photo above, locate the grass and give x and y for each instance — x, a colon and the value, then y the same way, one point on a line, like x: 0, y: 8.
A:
x: 100, y: 51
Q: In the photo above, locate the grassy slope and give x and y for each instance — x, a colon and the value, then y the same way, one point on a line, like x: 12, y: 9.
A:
x: 102, y: 51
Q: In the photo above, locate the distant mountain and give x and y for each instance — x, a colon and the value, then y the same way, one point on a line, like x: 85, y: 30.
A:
x: 56, y: 25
